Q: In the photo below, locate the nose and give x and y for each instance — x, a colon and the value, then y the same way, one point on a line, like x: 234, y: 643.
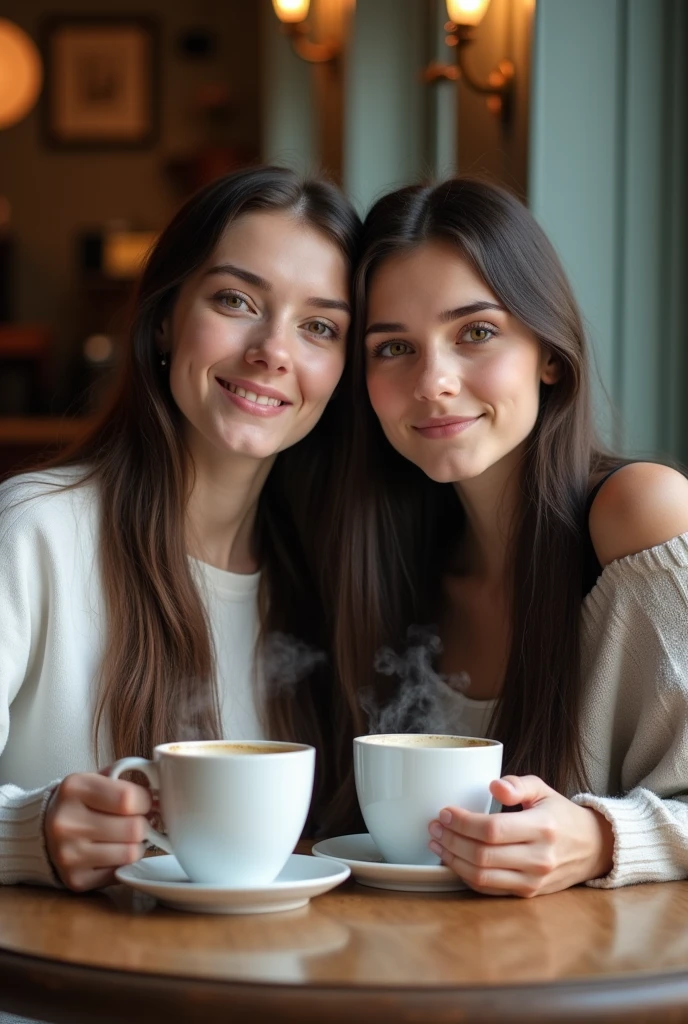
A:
x: 437, y: 378
x: 270, y: 350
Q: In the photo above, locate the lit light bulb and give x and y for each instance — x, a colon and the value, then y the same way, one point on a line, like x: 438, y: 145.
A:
x: 291, y: 11
x: 466, y: 12
x: 21, y: 75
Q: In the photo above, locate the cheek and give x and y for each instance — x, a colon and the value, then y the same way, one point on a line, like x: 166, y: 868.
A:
x: 320, y: 375
x: 200, y: 341
x: 511, y: 380
x: 384, y: 395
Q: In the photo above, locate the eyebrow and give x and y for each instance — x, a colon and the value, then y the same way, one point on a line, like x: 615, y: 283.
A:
x: 444, y: 318
x: 260, y: 282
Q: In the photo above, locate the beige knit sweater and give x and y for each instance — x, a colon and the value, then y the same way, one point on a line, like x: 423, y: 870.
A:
x: 635, y: 713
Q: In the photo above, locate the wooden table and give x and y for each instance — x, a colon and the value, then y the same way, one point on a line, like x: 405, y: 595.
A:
x: 353, y: 955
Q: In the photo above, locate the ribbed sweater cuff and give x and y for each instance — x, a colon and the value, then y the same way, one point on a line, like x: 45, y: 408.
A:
x: 644, y: 849
x: 23, y: 854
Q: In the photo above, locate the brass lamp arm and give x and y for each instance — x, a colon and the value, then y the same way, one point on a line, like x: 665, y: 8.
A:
x: 306, y: 49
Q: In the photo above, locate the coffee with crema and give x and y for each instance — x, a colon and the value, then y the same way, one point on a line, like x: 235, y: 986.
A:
x: 417, y: 740
x: 220, y: 749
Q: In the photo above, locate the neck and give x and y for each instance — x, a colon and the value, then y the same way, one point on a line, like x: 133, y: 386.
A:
x: 221, y: 507
x: 490, y: 502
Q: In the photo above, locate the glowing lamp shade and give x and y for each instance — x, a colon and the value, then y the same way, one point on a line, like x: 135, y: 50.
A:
x: 291, y: 11
x: 21, y: 74
x: 466, y: 12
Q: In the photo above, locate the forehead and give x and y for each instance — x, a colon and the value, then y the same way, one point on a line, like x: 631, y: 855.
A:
x: 434, y: 276
x: 282, y: 248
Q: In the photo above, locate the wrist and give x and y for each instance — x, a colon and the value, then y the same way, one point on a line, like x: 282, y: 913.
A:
x: 601, y: 860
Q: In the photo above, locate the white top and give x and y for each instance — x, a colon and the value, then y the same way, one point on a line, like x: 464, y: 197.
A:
x: 51, y: 645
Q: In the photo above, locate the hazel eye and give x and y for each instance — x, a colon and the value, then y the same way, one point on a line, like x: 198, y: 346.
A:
x: 390, y: 349
x: 318, y: 327
x: 477, y: 334
x: 232, y: 300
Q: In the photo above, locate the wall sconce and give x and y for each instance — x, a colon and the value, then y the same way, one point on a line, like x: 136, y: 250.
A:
x: 465, y: 16
x: 293, y: 14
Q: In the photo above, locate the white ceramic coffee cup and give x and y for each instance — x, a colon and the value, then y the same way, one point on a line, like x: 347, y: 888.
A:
x: 404, y: 781
x: 234, y: 811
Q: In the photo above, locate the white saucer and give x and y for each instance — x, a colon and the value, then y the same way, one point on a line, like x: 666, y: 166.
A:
x: 299, y: 880
x: 361, y: 854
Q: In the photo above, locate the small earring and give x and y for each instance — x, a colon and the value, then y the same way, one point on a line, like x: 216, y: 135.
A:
x: 163, y: 359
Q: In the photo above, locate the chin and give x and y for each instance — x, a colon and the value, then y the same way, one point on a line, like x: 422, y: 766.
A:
x: 452, y: 470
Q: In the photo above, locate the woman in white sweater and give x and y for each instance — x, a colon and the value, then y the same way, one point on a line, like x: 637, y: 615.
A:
x: 557, y: 576
x: 139, y: 577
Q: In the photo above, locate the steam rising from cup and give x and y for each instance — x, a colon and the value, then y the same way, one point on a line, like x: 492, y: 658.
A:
x: 425, y: 701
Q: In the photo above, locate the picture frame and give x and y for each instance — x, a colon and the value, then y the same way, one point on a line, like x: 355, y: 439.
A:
x: 101, y: 82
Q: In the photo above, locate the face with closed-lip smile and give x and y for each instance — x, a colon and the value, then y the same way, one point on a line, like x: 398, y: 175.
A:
x: 453, y: 377
x: 257, y: 336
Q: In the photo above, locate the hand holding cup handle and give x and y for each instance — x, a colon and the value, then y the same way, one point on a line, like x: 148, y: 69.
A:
x: 151, y: 771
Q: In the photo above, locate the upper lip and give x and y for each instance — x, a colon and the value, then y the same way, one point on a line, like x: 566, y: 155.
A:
x: 443, y: 421
x: 257, y: 389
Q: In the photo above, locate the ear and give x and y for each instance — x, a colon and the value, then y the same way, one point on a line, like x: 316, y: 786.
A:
x: 550, y: 367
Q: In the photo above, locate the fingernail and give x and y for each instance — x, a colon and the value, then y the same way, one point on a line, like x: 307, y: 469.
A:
x: 436, y: 848
x: 445, y: 817
x: 436, y: 830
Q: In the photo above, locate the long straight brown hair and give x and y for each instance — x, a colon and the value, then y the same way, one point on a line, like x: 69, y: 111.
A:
x: 397, y: 526
x: 158, y: 669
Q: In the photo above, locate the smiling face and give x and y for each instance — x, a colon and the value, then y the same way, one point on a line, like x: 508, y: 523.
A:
x: 452, y: 376
x: 257, y: 336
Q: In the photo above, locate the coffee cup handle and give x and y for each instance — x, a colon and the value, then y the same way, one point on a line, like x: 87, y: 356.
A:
x: 150, y: 770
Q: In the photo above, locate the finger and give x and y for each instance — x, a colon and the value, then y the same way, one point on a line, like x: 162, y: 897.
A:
x: 96, y: 827
x: 110, y: 796
x: 515, y: 857
x: 495, y: 829
x: 84, y: 881
x: 520, y: 789
x: 490, y: 881
x: 84, y: 856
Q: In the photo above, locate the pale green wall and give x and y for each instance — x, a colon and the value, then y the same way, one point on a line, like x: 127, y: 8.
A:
x: 608, y: 181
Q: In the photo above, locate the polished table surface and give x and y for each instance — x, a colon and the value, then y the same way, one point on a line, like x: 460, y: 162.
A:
x: 354, y: 954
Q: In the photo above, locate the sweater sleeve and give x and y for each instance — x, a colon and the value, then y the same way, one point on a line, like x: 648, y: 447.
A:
x: 639, y: 614
x: 23, y: 855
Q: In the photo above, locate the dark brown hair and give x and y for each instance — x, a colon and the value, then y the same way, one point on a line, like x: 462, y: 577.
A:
x: 158, y: 667
x: 397, y: 526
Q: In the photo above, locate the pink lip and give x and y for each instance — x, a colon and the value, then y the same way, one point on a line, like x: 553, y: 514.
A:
x: 264, y: 411
x: 444, y: 426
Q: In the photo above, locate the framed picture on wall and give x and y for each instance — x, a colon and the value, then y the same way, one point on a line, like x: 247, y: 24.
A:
x: 101, y: 82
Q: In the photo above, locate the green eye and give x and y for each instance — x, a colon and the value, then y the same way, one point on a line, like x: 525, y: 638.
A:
x: 234, y: 301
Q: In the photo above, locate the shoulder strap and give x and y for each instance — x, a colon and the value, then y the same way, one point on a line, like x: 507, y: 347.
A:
x: 592, y: 569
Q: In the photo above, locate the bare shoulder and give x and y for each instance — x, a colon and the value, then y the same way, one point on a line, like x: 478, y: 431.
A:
x: 641, y: 505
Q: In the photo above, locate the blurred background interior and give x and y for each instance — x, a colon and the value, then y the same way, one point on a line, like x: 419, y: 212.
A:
x: 109, y: 120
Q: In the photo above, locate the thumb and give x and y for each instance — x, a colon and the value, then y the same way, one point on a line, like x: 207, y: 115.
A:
x: 526, y: 790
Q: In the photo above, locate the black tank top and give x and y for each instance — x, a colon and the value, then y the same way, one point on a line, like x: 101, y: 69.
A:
x: 592, y: 570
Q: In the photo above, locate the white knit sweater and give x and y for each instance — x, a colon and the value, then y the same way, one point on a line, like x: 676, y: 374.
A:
x: 635, y: 664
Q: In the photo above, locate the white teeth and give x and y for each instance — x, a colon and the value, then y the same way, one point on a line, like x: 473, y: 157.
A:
x: 251, y: 396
